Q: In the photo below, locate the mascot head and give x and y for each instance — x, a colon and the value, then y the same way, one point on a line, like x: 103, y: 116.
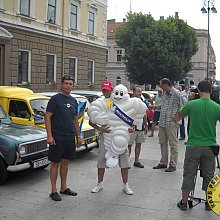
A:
x: 120, y: 94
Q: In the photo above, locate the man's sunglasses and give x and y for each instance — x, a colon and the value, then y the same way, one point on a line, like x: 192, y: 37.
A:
x: 69, y: 77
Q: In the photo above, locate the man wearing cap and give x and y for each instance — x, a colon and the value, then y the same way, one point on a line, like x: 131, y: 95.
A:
x: 123, y: 158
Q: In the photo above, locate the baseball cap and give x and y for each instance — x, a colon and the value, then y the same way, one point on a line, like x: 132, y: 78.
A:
x: 107, y: 85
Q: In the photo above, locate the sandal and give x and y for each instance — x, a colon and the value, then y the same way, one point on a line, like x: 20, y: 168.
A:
x: 55, y: 196
x: 69, y: 192
x: 150, y: 135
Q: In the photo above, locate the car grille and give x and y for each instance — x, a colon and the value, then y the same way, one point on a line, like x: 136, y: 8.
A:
x: 88, y: 134
x: 35, y: 147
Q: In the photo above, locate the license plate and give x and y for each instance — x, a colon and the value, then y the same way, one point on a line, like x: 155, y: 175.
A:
x: 41, y: 162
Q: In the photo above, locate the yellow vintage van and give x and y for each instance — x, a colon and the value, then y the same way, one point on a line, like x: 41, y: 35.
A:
x: 28, y: 108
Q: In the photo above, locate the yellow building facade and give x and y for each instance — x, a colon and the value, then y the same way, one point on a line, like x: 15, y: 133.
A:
x: 41, y: 40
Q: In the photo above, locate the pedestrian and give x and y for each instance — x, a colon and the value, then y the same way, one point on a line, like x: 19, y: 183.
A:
x: 157, y: 107
x: 138, y: 136
x: 201, y: 145
x: 185, y: 94
x: 123, y: 158
x: 171, y: 102
x: 150, y: 114
x: 62, y: 131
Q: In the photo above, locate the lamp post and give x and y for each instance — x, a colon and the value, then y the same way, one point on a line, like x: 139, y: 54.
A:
x: 130, y: 5
x: 206, y: 9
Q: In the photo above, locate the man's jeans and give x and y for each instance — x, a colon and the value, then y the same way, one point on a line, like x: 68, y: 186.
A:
x: 182, y: 129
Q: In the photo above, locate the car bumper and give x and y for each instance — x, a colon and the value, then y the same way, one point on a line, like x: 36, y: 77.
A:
x: 33, y: 164
x: 87, y: 146
x: 19, y: 167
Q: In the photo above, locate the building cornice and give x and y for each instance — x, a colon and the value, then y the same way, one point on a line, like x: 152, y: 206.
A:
x: 52, y: 35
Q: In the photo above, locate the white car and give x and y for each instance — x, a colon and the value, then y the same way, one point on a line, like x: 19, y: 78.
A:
x: 90, y: 95
x: 79, y: 98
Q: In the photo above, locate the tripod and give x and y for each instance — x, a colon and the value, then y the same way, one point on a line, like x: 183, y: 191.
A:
x: 196, y: 199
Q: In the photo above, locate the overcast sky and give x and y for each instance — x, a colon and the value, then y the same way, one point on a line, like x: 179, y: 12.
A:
x: 189, y: 10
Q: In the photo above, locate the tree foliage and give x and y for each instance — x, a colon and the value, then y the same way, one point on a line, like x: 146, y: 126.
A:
x: 156, y: 49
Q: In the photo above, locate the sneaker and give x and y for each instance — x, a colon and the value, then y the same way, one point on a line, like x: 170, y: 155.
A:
x: 127, y: 189
x: 160, y: 166
x: 181, y: 205
x: 97, y: 188
x: 170, y: 169
x: 138, y: 164
x: 207, y: 207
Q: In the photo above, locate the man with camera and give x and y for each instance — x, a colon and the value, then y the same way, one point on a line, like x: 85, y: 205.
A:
x: 201, y: 147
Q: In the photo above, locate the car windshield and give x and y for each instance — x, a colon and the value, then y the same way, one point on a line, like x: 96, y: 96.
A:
x: 39, y: 106
x: 2, y: 113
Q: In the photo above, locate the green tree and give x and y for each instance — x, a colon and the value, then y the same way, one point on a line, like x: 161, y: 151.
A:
x: 156, y: 49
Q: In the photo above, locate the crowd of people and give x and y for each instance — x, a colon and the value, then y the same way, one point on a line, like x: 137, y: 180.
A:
x: 168, y: 109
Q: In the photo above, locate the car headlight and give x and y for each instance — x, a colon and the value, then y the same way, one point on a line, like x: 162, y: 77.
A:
x: 81, y: 135
x: 22, y: 149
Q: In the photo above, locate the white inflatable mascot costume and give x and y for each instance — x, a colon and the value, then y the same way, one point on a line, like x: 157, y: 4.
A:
x: 119, y: 112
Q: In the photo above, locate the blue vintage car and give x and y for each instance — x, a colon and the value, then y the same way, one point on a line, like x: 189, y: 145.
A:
x: 21, y: 147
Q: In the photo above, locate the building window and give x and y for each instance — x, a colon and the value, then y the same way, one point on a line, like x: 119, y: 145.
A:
x: 73, y: 68
x: 25, y: 7
x: 51, y: 68
x: 24, y: 66
x: 1, y: 4
x: 19, y: 109
x: 106, y: 56
x: 90, y: 72
x: 51, y: 12
x: 118, y: 80
x: 91, y: 23
x: 119, y: 55
x: 73, y: 17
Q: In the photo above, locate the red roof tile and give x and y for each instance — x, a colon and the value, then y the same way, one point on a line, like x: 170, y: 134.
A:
x: 111, y: 27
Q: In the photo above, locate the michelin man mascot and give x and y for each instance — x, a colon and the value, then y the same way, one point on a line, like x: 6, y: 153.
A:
x: 120, y: 113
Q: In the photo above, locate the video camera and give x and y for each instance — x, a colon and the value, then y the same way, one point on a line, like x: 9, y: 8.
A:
x: 214, y: 95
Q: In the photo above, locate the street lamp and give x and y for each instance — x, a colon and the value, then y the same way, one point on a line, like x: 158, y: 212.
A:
x: 206, y: 9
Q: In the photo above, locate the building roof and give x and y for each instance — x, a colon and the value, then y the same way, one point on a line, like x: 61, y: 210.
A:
x: 112, y: 26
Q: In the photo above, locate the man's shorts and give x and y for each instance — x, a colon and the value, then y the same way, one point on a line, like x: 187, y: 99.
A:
x: 123, y: 158
x: 138, y: 137
x: 62, y: 150
x: 156, y: 117
x: 195, y: 157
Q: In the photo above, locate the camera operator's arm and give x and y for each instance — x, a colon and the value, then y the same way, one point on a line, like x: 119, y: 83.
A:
x: 184, y: 111
x: 177, y: 118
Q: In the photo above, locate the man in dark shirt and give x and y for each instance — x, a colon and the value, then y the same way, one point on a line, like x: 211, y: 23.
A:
x: 62, y: 127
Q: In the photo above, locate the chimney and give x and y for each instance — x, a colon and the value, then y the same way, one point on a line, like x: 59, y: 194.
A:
x: 176, y: 15
x: 161, y: 17
x: 111, y: 21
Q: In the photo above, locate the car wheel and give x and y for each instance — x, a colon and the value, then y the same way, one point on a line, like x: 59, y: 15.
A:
x: 3, y: 172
